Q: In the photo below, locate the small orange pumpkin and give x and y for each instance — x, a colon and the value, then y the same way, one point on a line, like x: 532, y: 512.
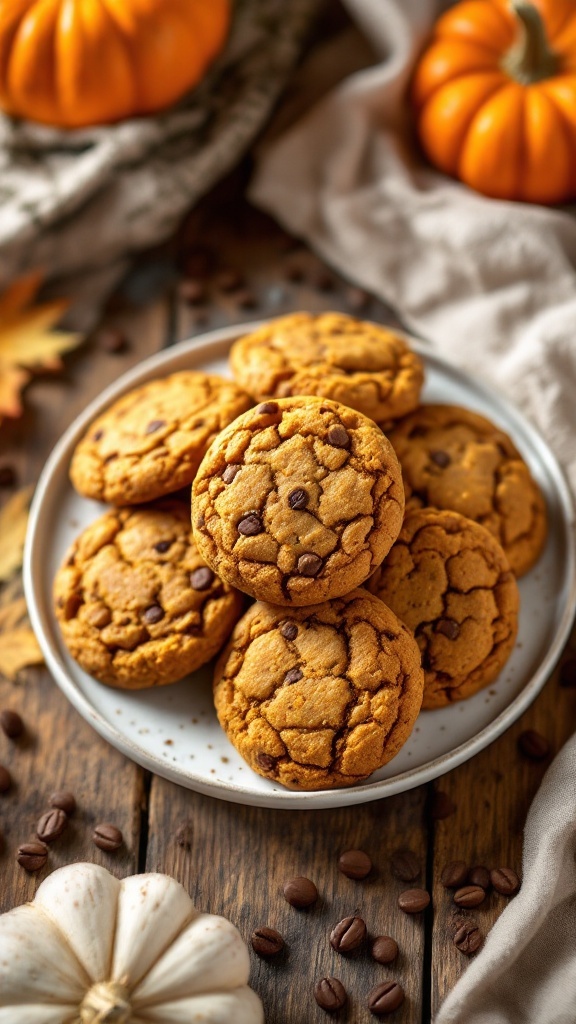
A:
x: 72, y: 63
x: 495, y: 93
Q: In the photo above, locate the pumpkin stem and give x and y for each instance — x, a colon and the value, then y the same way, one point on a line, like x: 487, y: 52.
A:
x: 530, y: 59
x: 106, y: 1003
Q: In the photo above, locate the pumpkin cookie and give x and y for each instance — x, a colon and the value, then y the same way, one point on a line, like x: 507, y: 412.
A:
x: 449, y: 580
x: 151, y: 441
x: 320, y: 697
x: 136, y: 604
x: 298, y: 501
x: 456, y: 459
x: 364, y: 365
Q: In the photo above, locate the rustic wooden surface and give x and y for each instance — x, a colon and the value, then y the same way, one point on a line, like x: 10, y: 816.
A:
x: 240, y: 857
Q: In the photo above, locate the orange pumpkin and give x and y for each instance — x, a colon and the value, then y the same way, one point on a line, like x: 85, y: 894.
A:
x: 80, y: 62
x: 495, y: 92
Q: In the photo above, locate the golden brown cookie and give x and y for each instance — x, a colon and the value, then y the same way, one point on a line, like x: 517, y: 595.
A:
x: 456, y: 459
x: 364, y: 365
x: 298, y: 501
x: 136, y: 603
x: 320, y: 697
x: 151, y: 441
x: 449, y: 580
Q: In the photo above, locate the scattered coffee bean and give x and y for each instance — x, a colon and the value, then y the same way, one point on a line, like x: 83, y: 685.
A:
x: 454, y: 874
x: 568, y: 673
x: 51, y: 825
x: 153, y: 614
x: 229, y: 280
x: 300, y: 892
x: 231, y: 472
x: 289, y: 630
x: 479, y: 875
x: 405, y: 865
x: 11, y: 723
x: 111, y: 340
x: 355, y: 864
x: 163, y: 546
x: 448, y: 628
x: 338, y: 436
x: 441, y: 806
x: 185, y: 835
x: 5, y: 779
x: 533, y: 745
x: 293, y: 675
x: 441, y: 459
x: 7, y: 475
x: 267, y: 941
x: 469, y: 896
x: 107, y: 837
x: 250, y: 524
x: 32, y: 856
x: 202, y: 578
x: 65, y: 800
x: 192, y: 291
x: 155, y: 425
x: 309, y: 564
x: 384, y: 949
x: 267, y: 408
x: 348, y: 934
x: 385, y: 998
x: 330, y: 994
x: 505, y: 881
x: 468, y: 938
x: 298, y: 499
x: 413, y: 901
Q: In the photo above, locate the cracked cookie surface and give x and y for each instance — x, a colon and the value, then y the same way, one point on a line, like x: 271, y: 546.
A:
x: 449, y: 580
x: 136, y: 604
x: 150, y: 442
x: 364, y: 365
x: 456, y: 459
x: 319, y: 697
x: 298, y: 501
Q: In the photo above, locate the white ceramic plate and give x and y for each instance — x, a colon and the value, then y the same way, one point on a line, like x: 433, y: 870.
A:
x: 173, y: 730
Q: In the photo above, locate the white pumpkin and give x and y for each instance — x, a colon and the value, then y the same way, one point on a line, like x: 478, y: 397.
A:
x: 94, y: 950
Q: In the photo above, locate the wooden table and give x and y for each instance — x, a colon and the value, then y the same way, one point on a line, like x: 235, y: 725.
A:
x: 239, y: 857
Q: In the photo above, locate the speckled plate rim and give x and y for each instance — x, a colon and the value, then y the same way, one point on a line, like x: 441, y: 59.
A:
x: 206, y: 348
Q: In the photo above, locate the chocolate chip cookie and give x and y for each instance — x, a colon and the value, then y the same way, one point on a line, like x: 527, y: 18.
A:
x: 449, y: 580
x: 364, y: 365
x: 136, y: 603
x: 298, y: 501
x: 320, y: 697
x: 456, y: 459
x: 151, y: 441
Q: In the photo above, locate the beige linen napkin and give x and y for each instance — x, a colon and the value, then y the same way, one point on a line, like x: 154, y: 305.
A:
x: 493, y: 286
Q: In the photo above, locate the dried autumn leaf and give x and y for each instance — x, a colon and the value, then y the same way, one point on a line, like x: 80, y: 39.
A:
x: 18, y: 645
x: 13, y: 522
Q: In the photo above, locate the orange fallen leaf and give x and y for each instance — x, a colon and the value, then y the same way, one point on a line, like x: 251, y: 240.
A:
x: 18, y: 645
x: 13, y: 523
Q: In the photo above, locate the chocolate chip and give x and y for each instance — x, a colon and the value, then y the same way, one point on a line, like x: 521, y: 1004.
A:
x: 72, y: 606
x: 330, y: 994
x: 309, y: 564
x: 289, y: 630
x: 338, y: 436
x: 98, y: 435
x: 468, y: 938
x: 63, y: 799
x: 32, y: 856
x: 267, y: 408
x: 454, y: 874
x: 441, y: 806
x: 448, y: 628
x: 202, y: 578
x: 405, y: 865
x: 479, y: 875
x: 155, y: 425
x: 300, y: 892
x: 266, y: 762
x: 107, y: 837
x: 441, y: 459
x: 231, y: 472
x: 112, y: 340
x: 533, y: 745
x: 153, y: 614
x: 293, y: 675
x: 185, y: 835
x: 413, y: 901
x: 51, y: 825
x: 355, y: 864
x: 469, y: 896
x: 298, y: 499
x: 200, y: 522
x: 250, y: 524
x: 5, y: 779
x: 267, y: 941
x: 11, y: 723
x: 505, y: 881
x: 385, y: 998
x: 162, y: 546
x: 348, y: 934
x: 568, y: 673
x: 384, y: 949
x: 7, y: 475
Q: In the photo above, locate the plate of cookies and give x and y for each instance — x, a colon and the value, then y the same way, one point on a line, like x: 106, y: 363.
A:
x: 301, y: 563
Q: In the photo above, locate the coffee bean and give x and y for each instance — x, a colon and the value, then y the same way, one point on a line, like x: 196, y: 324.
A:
x: 300, y: 892
x: 293, y: 675
x: 7, y: 475
x: 289, y: 630
x: 65, y: 800
x: 338, y: 436
x: 250, y: 524
x: 469, y: 896
x: 11, y: 723
x: 441, y: 806
x: 479, y: 875
x: 309, y: 564
x: 163, y: 546
x: 348, y: 934
x: 202, y: 578
x: 384, y: 949
x: 5, y: 779
x: 107, y: 837
x: 454, y: 874
x: 155, y: 425
x: 505, y: 881
x: 267, y: 408
x: 533, y: 745
x: 298, y: 499
x: 267, y: 941
x: 153, y: 614
x: 405, y: 865
x: 185, y: 835
x: 112, y: 340
x: 568, y: 673
x: 32, y: 856
x: 413, y: 901
x: 51, y: 825
x: 192, y: 291
x: 441, y: 459
x: 385, y: 998
x: 468, y: 938
x: 448, y: 628
x: 330, y: 994
x: 355, y: 864
x: 231, y: 472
